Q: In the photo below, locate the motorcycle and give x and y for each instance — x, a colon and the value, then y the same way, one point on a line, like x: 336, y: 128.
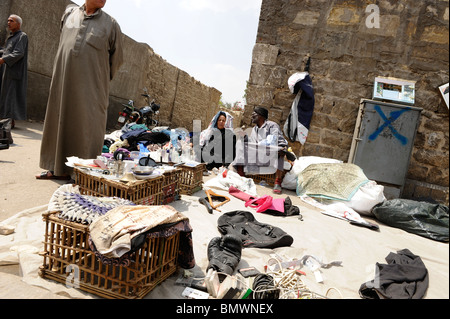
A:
x: 143, y: 115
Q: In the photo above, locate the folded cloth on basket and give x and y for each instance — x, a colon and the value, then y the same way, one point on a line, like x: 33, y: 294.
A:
x: 78, y: 208
x: 186, y: 258
x: 113, y: 232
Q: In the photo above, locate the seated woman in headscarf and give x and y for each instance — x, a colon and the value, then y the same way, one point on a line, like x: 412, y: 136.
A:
x: 218, y: 142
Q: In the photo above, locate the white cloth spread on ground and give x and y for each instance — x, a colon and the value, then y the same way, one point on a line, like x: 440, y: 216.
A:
x: 112, y: 233
x: 358, y: 248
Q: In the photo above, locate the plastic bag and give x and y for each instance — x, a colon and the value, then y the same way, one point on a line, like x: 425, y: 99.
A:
x: 5, y: 131
x: 367, y: 196
x: 420, y: 218
x: 290, y: 180
x: 224, y: 181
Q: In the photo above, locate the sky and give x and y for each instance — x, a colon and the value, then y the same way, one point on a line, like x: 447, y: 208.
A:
x: 212, y: 40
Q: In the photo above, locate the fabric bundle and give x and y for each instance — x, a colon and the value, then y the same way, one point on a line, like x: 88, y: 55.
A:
x: 403, y: 277
x: 112, y: 233
x: 83, y: 209
x: 339, y: 181
x: 298, y: 122
x: 273, y: 206
x: 252, y: 233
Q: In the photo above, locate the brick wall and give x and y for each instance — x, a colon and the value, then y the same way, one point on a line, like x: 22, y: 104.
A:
x: 347, y: 52
x: 182, y: 98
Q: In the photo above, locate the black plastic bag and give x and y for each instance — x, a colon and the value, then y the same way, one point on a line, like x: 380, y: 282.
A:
x: 5, y: 132
x: 421, y: 218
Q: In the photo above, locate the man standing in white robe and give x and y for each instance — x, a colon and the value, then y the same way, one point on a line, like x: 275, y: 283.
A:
x: 89, y: 55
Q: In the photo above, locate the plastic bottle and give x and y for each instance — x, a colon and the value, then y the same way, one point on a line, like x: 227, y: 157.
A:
x: 175, y: 156
x: 174, y: 139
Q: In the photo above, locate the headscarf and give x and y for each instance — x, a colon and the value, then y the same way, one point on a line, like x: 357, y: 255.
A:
x: 206, y: 134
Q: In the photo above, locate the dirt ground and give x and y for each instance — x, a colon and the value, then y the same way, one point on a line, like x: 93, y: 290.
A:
x: 19, y: 189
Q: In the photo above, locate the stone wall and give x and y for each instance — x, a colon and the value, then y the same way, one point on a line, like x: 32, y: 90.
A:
x: 182, y: 98
x: 347, y: 52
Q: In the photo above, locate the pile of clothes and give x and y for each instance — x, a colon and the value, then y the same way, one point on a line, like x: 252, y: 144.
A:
x: 137, y: 137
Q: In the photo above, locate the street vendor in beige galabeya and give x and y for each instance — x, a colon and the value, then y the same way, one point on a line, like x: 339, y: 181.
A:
x: 88, y: 57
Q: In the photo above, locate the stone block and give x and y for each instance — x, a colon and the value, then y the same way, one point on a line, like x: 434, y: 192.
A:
x: 265, y: 54
x: 264, y: 75
x: 335, y: 139
x: 315, y: 149
x: 260, y: 96
x: 435, y: 34
x: 439, y: 176
x: 431, y: 157
x: 440, y: 196
x: 342, y: 71
x: 422, y: 192
x: 389, y: 26
x: 344, y: 16
x: 307, y: 18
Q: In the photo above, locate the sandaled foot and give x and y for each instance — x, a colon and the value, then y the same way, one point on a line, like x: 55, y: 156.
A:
x: 49, y: 175
x: 277, y: 189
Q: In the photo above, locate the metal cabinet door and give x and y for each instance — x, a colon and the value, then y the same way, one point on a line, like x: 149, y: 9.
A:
x: 385, y: 141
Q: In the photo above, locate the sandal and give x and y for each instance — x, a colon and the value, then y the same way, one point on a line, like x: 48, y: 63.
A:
x: 49, y: 175
x: 277, y: 189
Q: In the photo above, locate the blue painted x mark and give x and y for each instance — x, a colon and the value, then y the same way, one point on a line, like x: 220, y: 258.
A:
x: 388, y: 124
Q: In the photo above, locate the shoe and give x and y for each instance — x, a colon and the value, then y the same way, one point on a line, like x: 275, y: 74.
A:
x: 290, y: 156
x: 277, y: 189
x: 49, y: 175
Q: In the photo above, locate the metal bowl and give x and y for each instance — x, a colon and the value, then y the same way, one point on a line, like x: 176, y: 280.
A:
x: 142, y: 177
x: 142, y: 170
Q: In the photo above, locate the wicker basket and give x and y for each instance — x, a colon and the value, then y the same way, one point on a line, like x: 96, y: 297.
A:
x: 268, y: 178
x: 191, y: 179
x: 148, y: 192
x: 68, y: 259
x: 171, y: 186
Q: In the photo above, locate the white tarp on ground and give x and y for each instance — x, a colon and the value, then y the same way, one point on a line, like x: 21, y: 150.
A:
x: 319, y: 235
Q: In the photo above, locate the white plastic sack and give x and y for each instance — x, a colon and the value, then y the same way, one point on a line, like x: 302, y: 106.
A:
x: 367, y: 196
x: 247, y: 185
x: 290, y: 180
